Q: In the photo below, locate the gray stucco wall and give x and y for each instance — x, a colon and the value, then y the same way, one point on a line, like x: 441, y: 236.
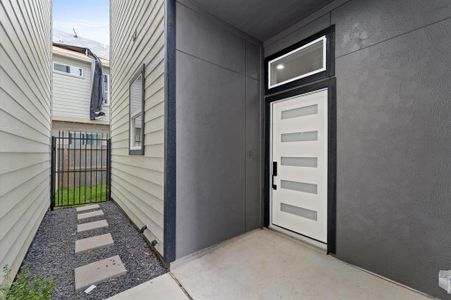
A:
x: 394, y: 139
x: 218, y: 131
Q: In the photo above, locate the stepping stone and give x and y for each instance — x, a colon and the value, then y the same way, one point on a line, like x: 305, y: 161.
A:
x: 93, y: 242
x: 98, y: 271
x: 92, y: 225
x: 87, y: 207
x: 90, y: 214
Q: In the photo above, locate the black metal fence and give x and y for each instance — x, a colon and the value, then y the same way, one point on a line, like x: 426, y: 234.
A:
x: 81, y: 168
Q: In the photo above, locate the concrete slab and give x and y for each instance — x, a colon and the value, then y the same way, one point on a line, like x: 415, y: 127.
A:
x: 163, y: 287
x: 264, y: 264
x: 92, y: 225
x: 98, y: 271
x: 87, y: 207
x: 90, y: 214
x: 93, y: 242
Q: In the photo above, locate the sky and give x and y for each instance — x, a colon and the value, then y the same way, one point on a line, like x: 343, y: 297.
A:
x: 90, y: 18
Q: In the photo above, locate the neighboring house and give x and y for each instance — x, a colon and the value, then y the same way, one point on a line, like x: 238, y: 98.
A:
x: 25, y: 125
x: 72, y: 84
x: 325, y: 120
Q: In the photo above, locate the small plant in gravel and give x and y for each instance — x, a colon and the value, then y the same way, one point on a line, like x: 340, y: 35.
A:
x: 26, y: 286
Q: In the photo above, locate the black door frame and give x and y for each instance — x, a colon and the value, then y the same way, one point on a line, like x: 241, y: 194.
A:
x: 330, y: 85
x: 324, y: 80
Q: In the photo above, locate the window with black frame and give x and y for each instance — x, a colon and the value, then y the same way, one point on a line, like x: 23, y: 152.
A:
x: 301, y: 62
x: 307, y: 61
x: 136, y: 116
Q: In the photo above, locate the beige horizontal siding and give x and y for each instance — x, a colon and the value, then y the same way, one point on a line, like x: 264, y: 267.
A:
x: 25, y: 109
x: 72, y: 95
x: 138, y: 181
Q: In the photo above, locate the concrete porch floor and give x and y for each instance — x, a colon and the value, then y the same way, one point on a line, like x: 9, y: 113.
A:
x: 265, y: 264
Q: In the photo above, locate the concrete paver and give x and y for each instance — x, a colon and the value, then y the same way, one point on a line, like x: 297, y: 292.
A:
x: 92, y: 225
x: 93, y: 242
x: 98, y: 271
x: 87, y: 207
x: 91, y: 214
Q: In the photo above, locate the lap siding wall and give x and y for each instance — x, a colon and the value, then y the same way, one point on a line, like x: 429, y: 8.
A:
x: 25, y: 110
x: 138, y: 181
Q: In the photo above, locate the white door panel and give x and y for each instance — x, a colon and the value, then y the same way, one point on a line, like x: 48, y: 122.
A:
x: 299, y: 147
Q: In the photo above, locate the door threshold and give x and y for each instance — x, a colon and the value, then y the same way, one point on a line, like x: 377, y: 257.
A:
x: 306, y: 240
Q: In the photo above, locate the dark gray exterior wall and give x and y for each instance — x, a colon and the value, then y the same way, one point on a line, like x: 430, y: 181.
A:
x: 393, y: 133
x: 218, y: 131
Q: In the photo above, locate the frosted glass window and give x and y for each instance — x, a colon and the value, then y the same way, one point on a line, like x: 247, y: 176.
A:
x: 136, y: 106
x: 300, y: 136
x: 300, y: 112
x: 299, y: 211
x: 304, y: 61
x: 308, y: 162
x: 299, y: 186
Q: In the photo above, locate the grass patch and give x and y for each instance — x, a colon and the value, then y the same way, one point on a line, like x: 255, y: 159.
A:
x: 81, y: 195
x: 26, y: 286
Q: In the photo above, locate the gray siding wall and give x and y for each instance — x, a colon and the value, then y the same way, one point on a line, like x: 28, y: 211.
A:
x: 25, y: 109
x: 218, y: 131
x: 393, y: 103
x: 72, y: 95
x: 138, y: 181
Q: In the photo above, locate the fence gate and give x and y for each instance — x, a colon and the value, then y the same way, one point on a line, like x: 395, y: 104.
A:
x: 81, y: 169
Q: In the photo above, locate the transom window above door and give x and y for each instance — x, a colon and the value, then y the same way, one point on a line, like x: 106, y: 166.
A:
x: 304, y: 61
x: 307, y: 61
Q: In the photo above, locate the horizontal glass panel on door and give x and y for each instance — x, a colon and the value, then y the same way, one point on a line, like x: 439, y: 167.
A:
x: 299, y: 211
x: 304, y: 61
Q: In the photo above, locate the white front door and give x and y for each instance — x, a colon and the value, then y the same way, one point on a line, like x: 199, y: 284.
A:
x: 299, y: 164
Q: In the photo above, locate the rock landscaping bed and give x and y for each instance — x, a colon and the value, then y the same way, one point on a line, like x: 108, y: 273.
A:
x: 52, y: 253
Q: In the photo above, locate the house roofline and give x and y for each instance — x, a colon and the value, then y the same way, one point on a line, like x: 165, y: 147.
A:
x: 60, y: 51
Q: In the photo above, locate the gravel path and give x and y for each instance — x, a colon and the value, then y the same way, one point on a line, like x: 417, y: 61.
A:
x: 52, y: 253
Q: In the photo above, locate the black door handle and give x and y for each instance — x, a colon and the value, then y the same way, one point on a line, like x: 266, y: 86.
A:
x: 274, y: 173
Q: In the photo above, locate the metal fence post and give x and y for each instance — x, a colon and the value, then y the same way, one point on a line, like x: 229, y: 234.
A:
x: 109, y: 167
x: 52, y: 173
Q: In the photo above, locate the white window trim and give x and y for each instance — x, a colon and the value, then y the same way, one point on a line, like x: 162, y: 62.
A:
x: 323, y: 39
x: 68, y: 74
x: 109, y: 90
x: 132, y: 131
